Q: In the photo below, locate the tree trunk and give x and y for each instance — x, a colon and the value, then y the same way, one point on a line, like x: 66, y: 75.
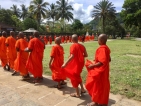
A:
x: 103, y: 24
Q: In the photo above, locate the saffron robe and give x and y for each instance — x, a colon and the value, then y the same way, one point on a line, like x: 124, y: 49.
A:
x: 11, y: 51
x: 3, y: 48
x: 74, y: 68
x: 50, y: 40
x: 97, y: 82
x: 34, y: 61
x: 57, y: 53
x: 20, y: 62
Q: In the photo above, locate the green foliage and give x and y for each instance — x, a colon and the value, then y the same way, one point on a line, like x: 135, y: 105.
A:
x: 18, y: 23
x: 104, y: 10
x: 38, y: 8
x: 131, y: 14
x: 29, y: 23
x: 5, y: 17
x: 42, y: 29
x: 77, y: 25
x: 15, y: 10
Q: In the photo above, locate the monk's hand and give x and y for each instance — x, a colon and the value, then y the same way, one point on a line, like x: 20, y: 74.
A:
x: 64, y: 65
x: 91, y: 66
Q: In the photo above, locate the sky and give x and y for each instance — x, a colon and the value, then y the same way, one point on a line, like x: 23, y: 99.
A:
x: 82, y: 8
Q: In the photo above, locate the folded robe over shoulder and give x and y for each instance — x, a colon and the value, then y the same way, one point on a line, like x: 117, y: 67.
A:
x: 20, y: 62
x: 11, y: 51
x: 75, y: 66
x: 34, y: 62
x: 97, y: 82
x: 57, y: 53
x: 3, y: 48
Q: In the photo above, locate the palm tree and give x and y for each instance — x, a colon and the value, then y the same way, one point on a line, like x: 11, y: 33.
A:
x: 15, y: 10
x: 51, y: 13
x: 38, y: 8
x: 63, y: 11
x: 104, y: 10
x: 24, y: 12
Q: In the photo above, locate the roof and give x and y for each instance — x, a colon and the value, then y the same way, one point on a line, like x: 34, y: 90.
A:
x: 2, y: 25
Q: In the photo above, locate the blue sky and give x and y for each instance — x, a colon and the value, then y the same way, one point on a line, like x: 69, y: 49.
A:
x: 82, y: 8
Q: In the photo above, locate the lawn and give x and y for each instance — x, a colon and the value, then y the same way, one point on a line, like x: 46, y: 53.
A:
x: 125, y: 67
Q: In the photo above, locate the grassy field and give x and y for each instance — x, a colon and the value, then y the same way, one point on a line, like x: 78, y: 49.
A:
x: 125, y: 67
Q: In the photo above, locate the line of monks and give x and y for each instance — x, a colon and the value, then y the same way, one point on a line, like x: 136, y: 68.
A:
x: 26, y: 57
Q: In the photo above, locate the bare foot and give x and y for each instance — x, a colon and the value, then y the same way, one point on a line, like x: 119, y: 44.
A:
x: 74, y: 95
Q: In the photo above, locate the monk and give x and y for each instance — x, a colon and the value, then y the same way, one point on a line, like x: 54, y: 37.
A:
x: 70, y: 39
x: 11, y: 51
x: 20, y: 62
x: 50, y: 40
x: 74, y: 65
x: 34, y: 63
x: 45, y: 40
x: 56, y: 61
x: 3, y: 56
x: 97, y: 82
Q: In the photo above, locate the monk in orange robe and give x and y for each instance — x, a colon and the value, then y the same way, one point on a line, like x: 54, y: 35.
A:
x: 3, y: 56
x: 34, y: 62
x: 45, y: 40
x: 20, y: 62
x: 56, y: 61
x: 66, y: 39
x: 50, y: 40
x: 97, y: 82
x: 70, y: 39
x: 62, y: 39
x: 74, y: 65
x: 11, y: 51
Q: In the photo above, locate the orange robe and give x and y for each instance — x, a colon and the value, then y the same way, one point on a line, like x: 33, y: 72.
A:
x: 34, y: 62
x: 75, y: 66
x: 62, y: 39
x: 20, y: 62
x: 45, y: 40
x: 50, y: 40
x: 3, y: 55
x: 66, y: 39
x: 97, y: 82
x: 70, y: 39
x: 11, y: 51
x: 57, y: 53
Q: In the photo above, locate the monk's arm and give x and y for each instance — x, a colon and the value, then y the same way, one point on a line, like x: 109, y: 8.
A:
x: 70, y: 58
x: 51, y: 59
x: 85, y: 53
x: 17, y: 49
x: 110, y: 59
x: 27, y: 50
x: 98, y: 64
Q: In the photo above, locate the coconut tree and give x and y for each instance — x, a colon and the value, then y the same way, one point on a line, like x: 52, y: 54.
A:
x: 24, y: 12
x: 64, y: 11
x: 104, y: 10
x: 51, y: 13
x: 15, y: 10
x: 38, y: 8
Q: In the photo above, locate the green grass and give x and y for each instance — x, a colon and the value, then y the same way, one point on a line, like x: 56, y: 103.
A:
x: 125, y: 68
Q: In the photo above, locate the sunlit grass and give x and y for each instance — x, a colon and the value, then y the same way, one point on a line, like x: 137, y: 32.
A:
x: 125, y: 67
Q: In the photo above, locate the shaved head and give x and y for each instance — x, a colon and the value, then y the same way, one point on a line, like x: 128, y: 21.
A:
x: 102, y: 39
x: 74, y: 38
x: 12, y: 33
x: 36, y: 34
x: 21, y: 35
x: 58, y: 40
x: 4, y: 34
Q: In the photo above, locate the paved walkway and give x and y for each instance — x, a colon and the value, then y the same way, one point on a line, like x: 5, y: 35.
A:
x: 15, y: 92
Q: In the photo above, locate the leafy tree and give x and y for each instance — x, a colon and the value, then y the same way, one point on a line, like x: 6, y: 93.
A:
x: 77, y: 25
x: 29, y: 23
x: 24, y: 12
x: 18, y: 23
x: 38, y: 8
x: 51, y: 13
x: 5, y: 17
x: 104, y: 10
x: 131, y: 13
x: 64, y: 11
x: 15, y: 10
